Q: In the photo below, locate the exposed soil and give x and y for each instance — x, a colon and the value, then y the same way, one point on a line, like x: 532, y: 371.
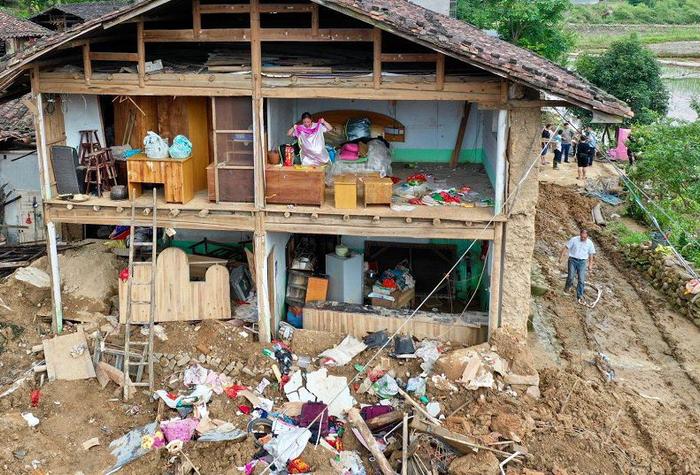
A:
x: 646, y: 420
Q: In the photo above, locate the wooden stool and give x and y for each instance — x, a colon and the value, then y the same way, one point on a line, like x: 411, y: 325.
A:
x: 377, y: 191
x: 89, y: 144
x: 345, y: 191
x: 100, y: 172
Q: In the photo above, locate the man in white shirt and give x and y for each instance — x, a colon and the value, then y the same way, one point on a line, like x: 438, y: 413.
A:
x: 581, y: 252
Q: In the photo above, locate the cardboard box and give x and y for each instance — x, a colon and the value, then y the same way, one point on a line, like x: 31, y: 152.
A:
x: 402, y: 299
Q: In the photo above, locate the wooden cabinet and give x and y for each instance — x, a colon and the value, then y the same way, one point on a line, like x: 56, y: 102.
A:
x: 295, y: 185
x: 233, y: 148
x: 167, y: 116
x: 176, y: 175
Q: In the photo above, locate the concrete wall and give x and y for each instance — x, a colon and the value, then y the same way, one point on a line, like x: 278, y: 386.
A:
x: 431, y: 126
x: 277, y: 243
x: 519, y: 242
x: 22, y: 176
x: 81, y: 112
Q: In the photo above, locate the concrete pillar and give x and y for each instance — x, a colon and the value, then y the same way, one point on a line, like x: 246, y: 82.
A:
x: 519, y: 240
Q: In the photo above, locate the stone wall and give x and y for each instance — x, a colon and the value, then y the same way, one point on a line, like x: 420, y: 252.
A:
x: 519, y: 241
x: 667, y: 275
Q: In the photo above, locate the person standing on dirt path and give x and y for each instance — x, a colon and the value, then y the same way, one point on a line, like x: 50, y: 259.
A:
x: 567, y: 136
x: 581, y: 252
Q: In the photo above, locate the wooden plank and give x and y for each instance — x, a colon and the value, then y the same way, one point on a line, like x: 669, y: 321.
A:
x: 460, y: 135
x: 409, y: 58
x: 323, y: 34
x: 152, y: 36
x: 87, y: 65
x: 178, y: 299
x: 286, y: 8
x: 495, y: 284
x: 61, y: 364
x: 377, y: 57
x: 369, y: 440
x: 109, y: 56
x: 211, y: 9
x: 420, y: 326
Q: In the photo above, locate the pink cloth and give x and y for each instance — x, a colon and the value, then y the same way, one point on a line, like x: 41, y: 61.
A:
x: 312, y: 144
x: 620, y: 152
x: 179, y: 429
x: 350, y: 151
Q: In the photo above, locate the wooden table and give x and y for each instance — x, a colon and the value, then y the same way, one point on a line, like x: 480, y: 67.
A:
x: 177, y: 176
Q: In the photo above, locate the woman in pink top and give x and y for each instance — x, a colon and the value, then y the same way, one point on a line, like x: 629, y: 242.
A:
x: 311, y: 140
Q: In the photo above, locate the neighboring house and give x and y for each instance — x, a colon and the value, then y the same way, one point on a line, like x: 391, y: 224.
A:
x: 16, y: 34
x: 66, y: 15
x: 448, y: 97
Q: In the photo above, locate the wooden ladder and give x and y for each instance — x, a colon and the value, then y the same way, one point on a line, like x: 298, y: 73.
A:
x: 147, y: 345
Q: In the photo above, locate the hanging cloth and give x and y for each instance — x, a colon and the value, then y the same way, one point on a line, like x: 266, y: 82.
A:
x: 312, y: 144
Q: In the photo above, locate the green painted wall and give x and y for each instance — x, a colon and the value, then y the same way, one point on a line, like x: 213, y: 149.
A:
x: 466, y: 282
x: 436, y: 155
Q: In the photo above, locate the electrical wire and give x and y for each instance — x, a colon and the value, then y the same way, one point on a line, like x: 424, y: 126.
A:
x: 512, y: 197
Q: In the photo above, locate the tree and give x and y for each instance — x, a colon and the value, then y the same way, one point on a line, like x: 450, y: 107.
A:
x: 537, y: 25
x: 629, y: 71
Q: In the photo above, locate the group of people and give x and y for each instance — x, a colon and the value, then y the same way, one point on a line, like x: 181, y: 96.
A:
x: 565, y: 142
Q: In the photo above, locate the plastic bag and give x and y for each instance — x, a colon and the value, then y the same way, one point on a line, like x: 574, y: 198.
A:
x: 358, y: 129
x: 181, y: 147
x: 155, y: 146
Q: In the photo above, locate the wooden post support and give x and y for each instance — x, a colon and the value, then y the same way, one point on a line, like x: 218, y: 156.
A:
x: 377, y: 63
x: 141, y: 51
x: 260, y: 253
x: 356, y: 420
x: 196, y: 19
x: 495, y: 285
x: 87, y: 64
x: 314, y: 20
x: 440, y: 72
x: 460, y: 135
x: 57, y: 319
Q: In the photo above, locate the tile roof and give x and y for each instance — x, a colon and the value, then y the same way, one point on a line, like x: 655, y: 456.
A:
x: 447, y: 35
x: 16, y: 122
x: 13, y: 27
x: 470, y: 44
x: 88, y: 10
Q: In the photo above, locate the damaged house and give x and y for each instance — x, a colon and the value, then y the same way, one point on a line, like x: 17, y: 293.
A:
x: 432, y: 127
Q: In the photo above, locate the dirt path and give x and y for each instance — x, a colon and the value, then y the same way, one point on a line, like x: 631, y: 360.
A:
x: 653, y: 352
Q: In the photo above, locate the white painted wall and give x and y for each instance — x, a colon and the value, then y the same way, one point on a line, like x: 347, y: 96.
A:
x: 429, y: 124
x: 277, y: 243
x: 81, y: 112
x: 23, y: 177
x: 438, y: 6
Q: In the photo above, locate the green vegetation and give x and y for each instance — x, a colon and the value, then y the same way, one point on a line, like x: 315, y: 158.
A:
x: 537, y: 25
x: 624, y: 234
x: 668, y: 170
x: 26, y: 8
x: 666, y: 12
x: 598, y: 40
x: 629, y: 71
